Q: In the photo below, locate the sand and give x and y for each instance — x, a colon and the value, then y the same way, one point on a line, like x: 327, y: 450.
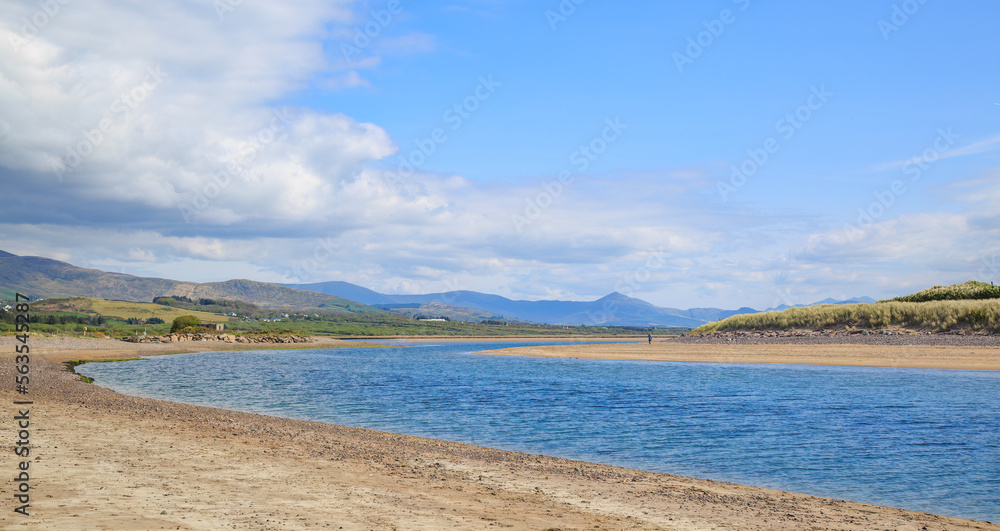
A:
x: 102, y: 460
x: 918, y: 356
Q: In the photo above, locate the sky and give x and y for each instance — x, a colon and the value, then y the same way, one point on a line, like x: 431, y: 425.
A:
x: 714, y: 154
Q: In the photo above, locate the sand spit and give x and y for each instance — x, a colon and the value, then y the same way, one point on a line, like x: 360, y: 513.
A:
x: 909, y: 351
x: 102, y: 460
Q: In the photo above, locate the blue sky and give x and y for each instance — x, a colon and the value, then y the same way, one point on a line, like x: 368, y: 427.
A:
x: 535, y: 150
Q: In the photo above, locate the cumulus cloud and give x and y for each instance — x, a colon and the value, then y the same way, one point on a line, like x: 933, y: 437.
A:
x: 153, y: 139
x: 168, y: 106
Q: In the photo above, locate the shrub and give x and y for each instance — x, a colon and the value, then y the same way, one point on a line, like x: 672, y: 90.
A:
x: 184, y: 321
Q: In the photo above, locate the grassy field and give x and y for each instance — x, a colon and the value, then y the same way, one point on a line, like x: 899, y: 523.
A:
x: 933, y: 315
x: 125, y: 310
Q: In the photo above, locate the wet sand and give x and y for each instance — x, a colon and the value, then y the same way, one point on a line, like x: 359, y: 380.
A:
x: 102, y: 460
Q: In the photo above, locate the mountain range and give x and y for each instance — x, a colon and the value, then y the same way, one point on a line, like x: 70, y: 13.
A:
x: 41, y: 277
x: 614, y: 309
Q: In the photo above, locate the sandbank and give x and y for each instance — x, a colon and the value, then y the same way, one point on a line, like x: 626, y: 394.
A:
x: 915, y: 356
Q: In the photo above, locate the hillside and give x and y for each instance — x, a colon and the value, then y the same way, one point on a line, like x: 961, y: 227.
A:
x: 40, y: 277
x: 125, y: 310
x: 437, y: 309
x: 923, y: 311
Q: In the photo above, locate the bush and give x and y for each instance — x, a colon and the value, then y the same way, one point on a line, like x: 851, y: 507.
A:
x: 183, y: 322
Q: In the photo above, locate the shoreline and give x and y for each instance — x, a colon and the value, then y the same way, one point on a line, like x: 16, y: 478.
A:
x: 112, y: 461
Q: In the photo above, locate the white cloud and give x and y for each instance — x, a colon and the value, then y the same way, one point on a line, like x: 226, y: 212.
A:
x: 196, y: 130
x: 152, y: 121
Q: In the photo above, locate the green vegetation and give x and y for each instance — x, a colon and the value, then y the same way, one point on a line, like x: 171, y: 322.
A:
x: 116, y: 310
x: 145, y: 310
x: 934, y: 315
x: 969, y: 290
x: 184, y: 321
x: 76, y: 317
x: 972, y: 305
x: 353, y: 325
x: 208, y: 305
x: 436, y: 310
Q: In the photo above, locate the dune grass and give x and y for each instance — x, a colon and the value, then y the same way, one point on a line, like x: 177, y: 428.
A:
x: 934, y: 315
x: 968, y: 290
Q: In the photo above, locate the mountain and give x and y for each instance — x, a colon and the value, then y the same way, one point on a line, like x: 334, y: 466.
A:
x: 40, y: 277
x: 348, y: 291
x: 614, y: 309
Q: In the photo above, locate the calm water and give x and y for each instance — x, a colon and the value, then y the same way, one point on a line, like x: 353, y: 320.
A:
x: 926, y: 440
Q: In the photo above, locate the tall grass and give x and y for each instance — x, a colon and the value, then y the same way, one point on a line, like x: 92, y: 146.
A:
x: 934, y: 315
x: 969, y: 290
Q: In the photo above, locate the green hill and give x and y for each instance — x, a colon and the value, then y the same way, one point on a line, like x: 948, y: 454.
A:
x: 122, y: 309
x: 969, y: 290
x: 938, y: 309
x: 46, y: 278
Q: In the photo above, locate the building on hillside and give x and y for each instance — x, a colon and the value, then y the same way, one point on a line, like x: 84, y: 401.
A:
x: 218, y: 327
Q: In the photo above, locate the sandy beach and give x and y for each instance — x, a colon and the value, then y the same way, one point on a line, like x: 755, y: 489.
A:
x: 102, y: 460
x: 917, y: 352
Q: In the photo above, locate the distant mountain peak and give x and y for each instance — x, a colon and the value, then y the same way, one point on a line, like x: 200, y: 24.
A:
x: 5, y: 254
